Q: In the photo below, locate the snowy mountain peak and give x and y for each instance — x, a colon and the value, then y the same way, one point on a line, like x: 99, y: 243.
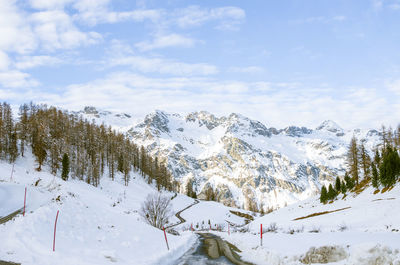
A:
x: 204, y: 118
x: 331, y: 126
x: 156, y: 121
x: 295, y: 131
x: 119, y: 121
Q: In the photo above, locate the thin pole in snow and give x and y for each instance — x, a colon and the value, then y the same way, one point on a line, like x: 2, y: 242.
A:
x: 55, y: 227
x: 166, y: 240
x: 229, y: 231
x: 261, y: 233
x: 24, y: 202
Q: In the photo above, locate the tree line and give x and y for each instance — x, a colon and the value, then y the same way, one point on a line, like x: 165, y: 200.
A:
x: 381, y: 169
x: 72, y: 146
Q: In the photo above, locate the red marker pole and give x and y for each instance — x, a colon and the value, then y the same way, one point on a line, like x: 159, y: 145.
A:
x: 261, y: 233
x: 191, y: 226
x: 229, y: 231
x: 24, y: 202
x: 54, y: 239
x: 166, y: 240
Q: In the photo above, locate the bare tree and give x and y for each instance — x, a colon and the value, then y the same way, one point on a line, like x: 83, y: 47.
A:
x: 156, y: 210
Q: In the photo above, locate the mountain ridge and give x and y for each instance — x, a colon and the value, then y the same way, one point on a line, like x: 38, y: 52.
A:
x: 247, y: 164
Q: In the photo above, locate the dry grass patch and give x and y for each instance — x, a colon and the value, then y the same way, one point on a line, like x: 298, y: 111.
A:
x: 320, y: 213
x: 388, y: 199
x: 243, y: 215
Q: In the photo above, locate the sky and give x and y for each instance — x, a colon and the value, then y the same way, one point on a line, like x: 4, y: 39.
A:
x: 288, y: 62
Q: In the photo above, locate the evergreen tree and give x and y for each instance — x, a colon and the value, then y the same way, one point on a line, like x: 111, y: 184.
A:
x: 344, y: 188
x: 331, y: 192
x: 324, y: 195
x: 349, y: 182
x: 375, y: 176
x: 389, y: 169
x: 65, y: 167
x: 377, y: 158
x: 365, y: 160
x: 338, y: 185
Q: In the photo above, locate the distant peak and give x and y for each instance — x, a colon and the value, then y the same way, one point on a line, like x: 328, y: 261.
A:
x: 330, y: 126
x: 90, y: 110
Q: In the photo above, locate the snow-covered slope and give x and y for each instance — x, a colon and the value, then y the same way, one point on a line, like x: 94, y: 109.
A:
x: 247, y: 163
x: 95, y: 225
x: 363, y: 229
x: 119, y: 121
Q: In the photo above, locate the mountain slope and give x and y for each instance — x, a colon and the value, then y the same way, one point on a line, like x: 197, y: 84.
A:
x: 355, y: 230
x: 248, y: 164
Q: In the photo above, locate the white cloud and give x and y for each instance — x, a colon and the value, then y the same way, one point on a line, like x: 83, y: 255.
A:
x: 27, y: 62
x: 394, y: 86
x: 229, y: 18
x: 164, y: 66
x: 15, y: 32
x: 56, y: 30
x: 121, y: 54
x: 276, y: 105
x: 95, y: 12
x: 4, y: 61
x: 49, y: 4
x: 15, y: 79
x: 166, y: 41
x: 247, y: 70
x: 320, y: 19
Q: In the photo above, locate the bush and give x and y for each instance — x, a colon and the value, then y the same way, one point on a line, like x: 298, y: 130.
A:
x: 272, y: 228
x: 315, y: 230
x: 156, y: 210
x: 342, y: 227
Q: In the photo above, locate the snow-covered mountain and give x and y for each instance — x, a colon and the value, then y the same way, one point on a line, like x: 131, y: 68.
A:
x: 248, y: 164
x: 119, y: 121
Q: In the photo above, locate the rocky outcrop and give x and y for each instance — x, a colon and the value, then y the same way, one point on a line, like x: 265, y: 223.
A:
x: 244, y: 162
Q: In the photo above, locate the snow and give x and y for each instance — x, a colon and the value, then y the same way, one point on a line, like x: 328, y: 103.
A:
x: 368, y: 231
x: 96, y: 225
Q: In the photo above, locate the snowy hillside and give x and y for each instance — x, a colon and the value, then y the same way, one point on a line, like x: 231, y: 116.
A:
x: 361, y: 229
x: 96, y: 225
x: 248, y: 164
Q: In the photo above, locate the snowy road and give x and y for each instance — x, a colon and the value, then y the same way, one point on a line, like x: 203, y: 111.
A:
x: 178, y: 214
x: 209, y: 250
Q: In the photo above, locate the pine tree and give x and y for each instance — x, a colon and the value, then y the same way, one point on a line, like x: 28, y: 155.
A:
x: 65, y: 167
x: 389, y: 170
x: 324, y: 195
x: 338, y: 185
x: 349, y: 182
x: 365, y: 160
x: 352, y: 159
x: 375, y: 176
x: 331, y: 192
x: 344, y: 188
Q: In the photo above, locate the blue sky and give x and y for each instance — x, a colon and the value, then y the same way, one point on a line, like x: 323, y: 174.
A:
x: 281, y: 62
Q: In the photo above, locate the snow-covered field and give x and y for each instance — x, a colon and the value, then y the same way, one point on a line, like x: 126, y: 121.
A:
x: 102, y: 225
x: 95, y: 225
x: 366, y: 233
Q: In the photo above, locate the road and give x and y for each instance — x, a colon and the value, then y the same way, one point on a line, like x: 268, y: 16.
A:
x: 209, y: 249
